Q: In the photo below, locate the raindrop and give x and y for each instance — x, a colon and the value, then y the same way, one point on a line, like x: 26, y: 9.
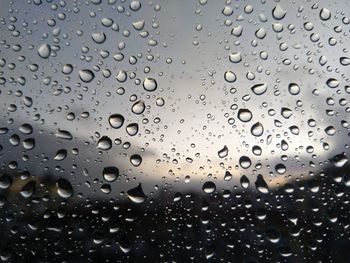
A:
x: 104, y: 143
x: 245, y: 162
x: 64, y: 188
x: 136, y: 194
x: 244, y: 181
x: 325, y: 14
x: 86, y: 75
x: 60, y: 155
x: 244, y: 115
x: 259, y: 89
x: 257, y: 129
x: 110, y: 173
x: 135, y: 160
x: 223, y: 152
x: 293, y: 89
x: 230, y: 76
x: 278, y: 13
x: 345, y: 61
x: 209, y: 187
x: 138, y: 107
x: 235, y: 57
x: 132, y: 129
x: 28, y: 189
x: 116, y: 121
x: 150, y: 84
x: 44, y: 50
x: 98, y: 37
x: 261, y: 185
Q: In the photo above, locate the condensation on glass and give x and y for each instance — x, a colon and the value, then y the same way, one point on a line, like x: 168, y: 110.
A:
x: 174, y: 131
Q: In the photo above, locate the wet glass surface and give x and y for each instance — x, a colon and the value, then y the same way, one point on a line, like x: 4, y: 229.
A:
x: 174, y: 131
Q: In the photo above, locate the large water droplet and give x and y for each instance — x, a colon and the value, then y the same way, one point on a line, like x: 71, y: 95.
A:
x: 235, y: 57
x: 245, y: 182
x: 116, y: 121
x: 245, y: 162
x: 325, y: 14
x: 244, y: 115
x: 293, y: 89
x: 278, y: 13
x: 60, y: 155
x: 259, y: 89
x: 138, y: 107
x: 44, y: 50
x: 209, y: 187
x: 223, y: 152
x: 110, y: 173
x: 98, y: 37
x: 257, y: 129
x: 135, y: 160
x: 150, y: 84
x: 132, y: 129
x: 136, y: 194
x: 28, y: 189
x: 230, y: 76
x: 86, y: 75
x: 64, y: 188
x: 104, y: 143
x: 261, y: 185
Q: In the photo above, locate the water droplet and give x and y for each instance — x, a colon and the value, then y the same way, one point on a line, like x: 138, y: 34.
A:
x: 345, y: 61
x: 223, y: 152
x: 340, y: 160
x: 245, y: 182
x: 135, y: 160
x: 110, y: 173
x: 278, y: 13
x: 293, y: 89
x: 64, y: 188
x: 138, y: 107
x: 160, y: 102
x: 227, y: 11
x: 237, y: 31
x: 245, y: 162
x: 332, y: 83
x: 135, y: 5
x: 86, y: 75
x: 209, y: 187
x: 29, y: 144
x: 235, y: 57
x: 116, y: 121
x: 325, y: 14
x: 104, y: 143
x: 63, y: 134
x: 230, y: 76
x: 260, y: 33
x: 60, y: 155
x: 261, y: 185
x: 28, y: 189
x: 257, y: 129
x: 121, y: 76
x: 132, y: 129
x: 286, y: 113
x: 244, y: 115
x: 280, y: 168
x: 136, y: 194
x: 44, y: 50
x: 227, y: 176
x: 259, y: 89
x: 5, y: 181
x: 98, y: 37
x: 150, y: 84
